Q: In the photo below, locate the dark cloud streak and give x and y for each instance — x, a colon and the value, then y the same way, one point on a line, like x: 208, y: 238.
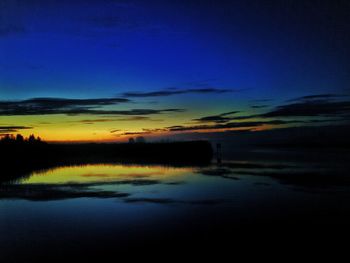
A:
x: 44, y: 106
x: 170, y: 92
x: 259, y: 106
x: 310, y: 108
x: 231, y: 125
x: 317, y: 96
x: 10, y: 129
x: 220, y: 118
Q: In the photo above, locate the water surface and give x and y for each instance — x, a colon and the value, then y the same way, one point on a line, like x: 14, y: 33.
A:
x: 95, y: 205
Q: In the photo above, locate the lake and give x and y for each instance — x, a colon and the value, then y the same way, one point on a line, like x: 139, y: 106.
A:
x: 89, y: 207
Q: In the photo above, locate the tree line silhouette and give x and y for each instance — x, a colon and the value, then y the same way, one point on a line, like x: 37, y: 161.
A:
x: 11, y: 139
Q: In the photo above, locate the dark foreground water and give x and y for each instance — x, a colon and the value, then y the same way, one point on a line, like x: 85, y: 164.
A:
x: 105, y: 209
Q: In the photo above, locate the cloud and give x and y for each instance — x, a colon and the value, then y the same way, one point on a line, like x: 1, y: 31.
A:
x: 246, y: 117
x: 92, y: 121
x: 259, y: 106
x: 10, y: 129
x: 43, y: 106
x: 132, y: 118
x: 133, y: 133
x: 36, y: 106
x: 247, y: 126
x: 221, y: 118
x: 230, y: 125
x: 143, y: 132
x: 310, y: 108
x: 174, y: 91
x: 140, y: 118
x: 317, y: 96
x: 121, y: 112
x: 224, y: 117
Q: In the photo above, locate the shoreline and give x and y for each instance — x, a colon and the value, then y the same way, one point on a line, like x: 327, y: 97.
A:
x: 18, y: 160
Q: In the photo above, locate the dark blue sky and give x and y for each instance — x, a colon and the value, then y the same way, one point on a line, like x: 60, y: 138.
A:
x: 274, y: 50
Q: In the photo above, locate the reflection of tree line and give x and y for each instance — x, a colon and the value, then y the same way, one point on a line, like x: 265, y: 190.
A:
x: 20, y: 156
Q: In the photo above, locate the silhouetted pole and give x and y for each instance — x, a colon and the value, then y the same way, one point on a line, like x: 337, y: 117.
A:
x: 218, y: 153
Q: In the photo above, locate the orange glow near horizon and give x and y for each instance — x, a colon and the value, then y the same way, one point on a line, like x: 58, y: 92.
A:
x: 76, y: 136
x: 63, y: 128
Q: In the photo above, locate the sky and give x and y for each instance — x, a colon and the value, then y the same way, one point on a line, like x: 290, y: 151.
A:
x: 108, y: 70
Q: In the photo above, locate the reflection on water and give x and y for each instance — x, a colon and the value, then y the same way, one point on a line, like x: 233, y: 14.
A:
x: 103, y: 201
x: 103, y: 173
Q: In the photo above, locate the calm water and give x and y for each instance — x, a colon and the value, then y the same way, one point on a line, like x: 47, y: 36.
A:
x: 90, y: 206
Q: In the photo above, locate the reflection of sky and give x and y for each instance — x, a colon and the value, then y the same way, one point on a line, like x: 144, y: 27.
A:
x: 160, y: 198
x: 99, y: 49
x: 104, y: 173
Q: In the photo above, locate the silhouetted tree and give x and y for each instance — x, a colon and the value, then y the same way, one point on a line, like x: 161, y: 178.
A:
x: 131, y: 140
x: 31, y: 138
x: 19, y: 138
x: 7, y: 138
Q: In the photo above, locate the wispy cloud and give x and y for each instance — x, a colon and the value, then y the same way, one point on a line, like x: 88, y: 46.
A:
x: 220, y: 118
x: 91, y: 121
x: 231, y: 125
x: 175, y: 91
x: 133, y: 133
x: 131, y: 118
x: 44, y: 106
x: 325, y: 106
x: 143, y: 132
x: 317, y: 96
x: 35, y: 106
x: 138, y: 118
x: 259, y: 106
x: 310, y: 108
x: 10, y: 129
x: 123, y: 112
